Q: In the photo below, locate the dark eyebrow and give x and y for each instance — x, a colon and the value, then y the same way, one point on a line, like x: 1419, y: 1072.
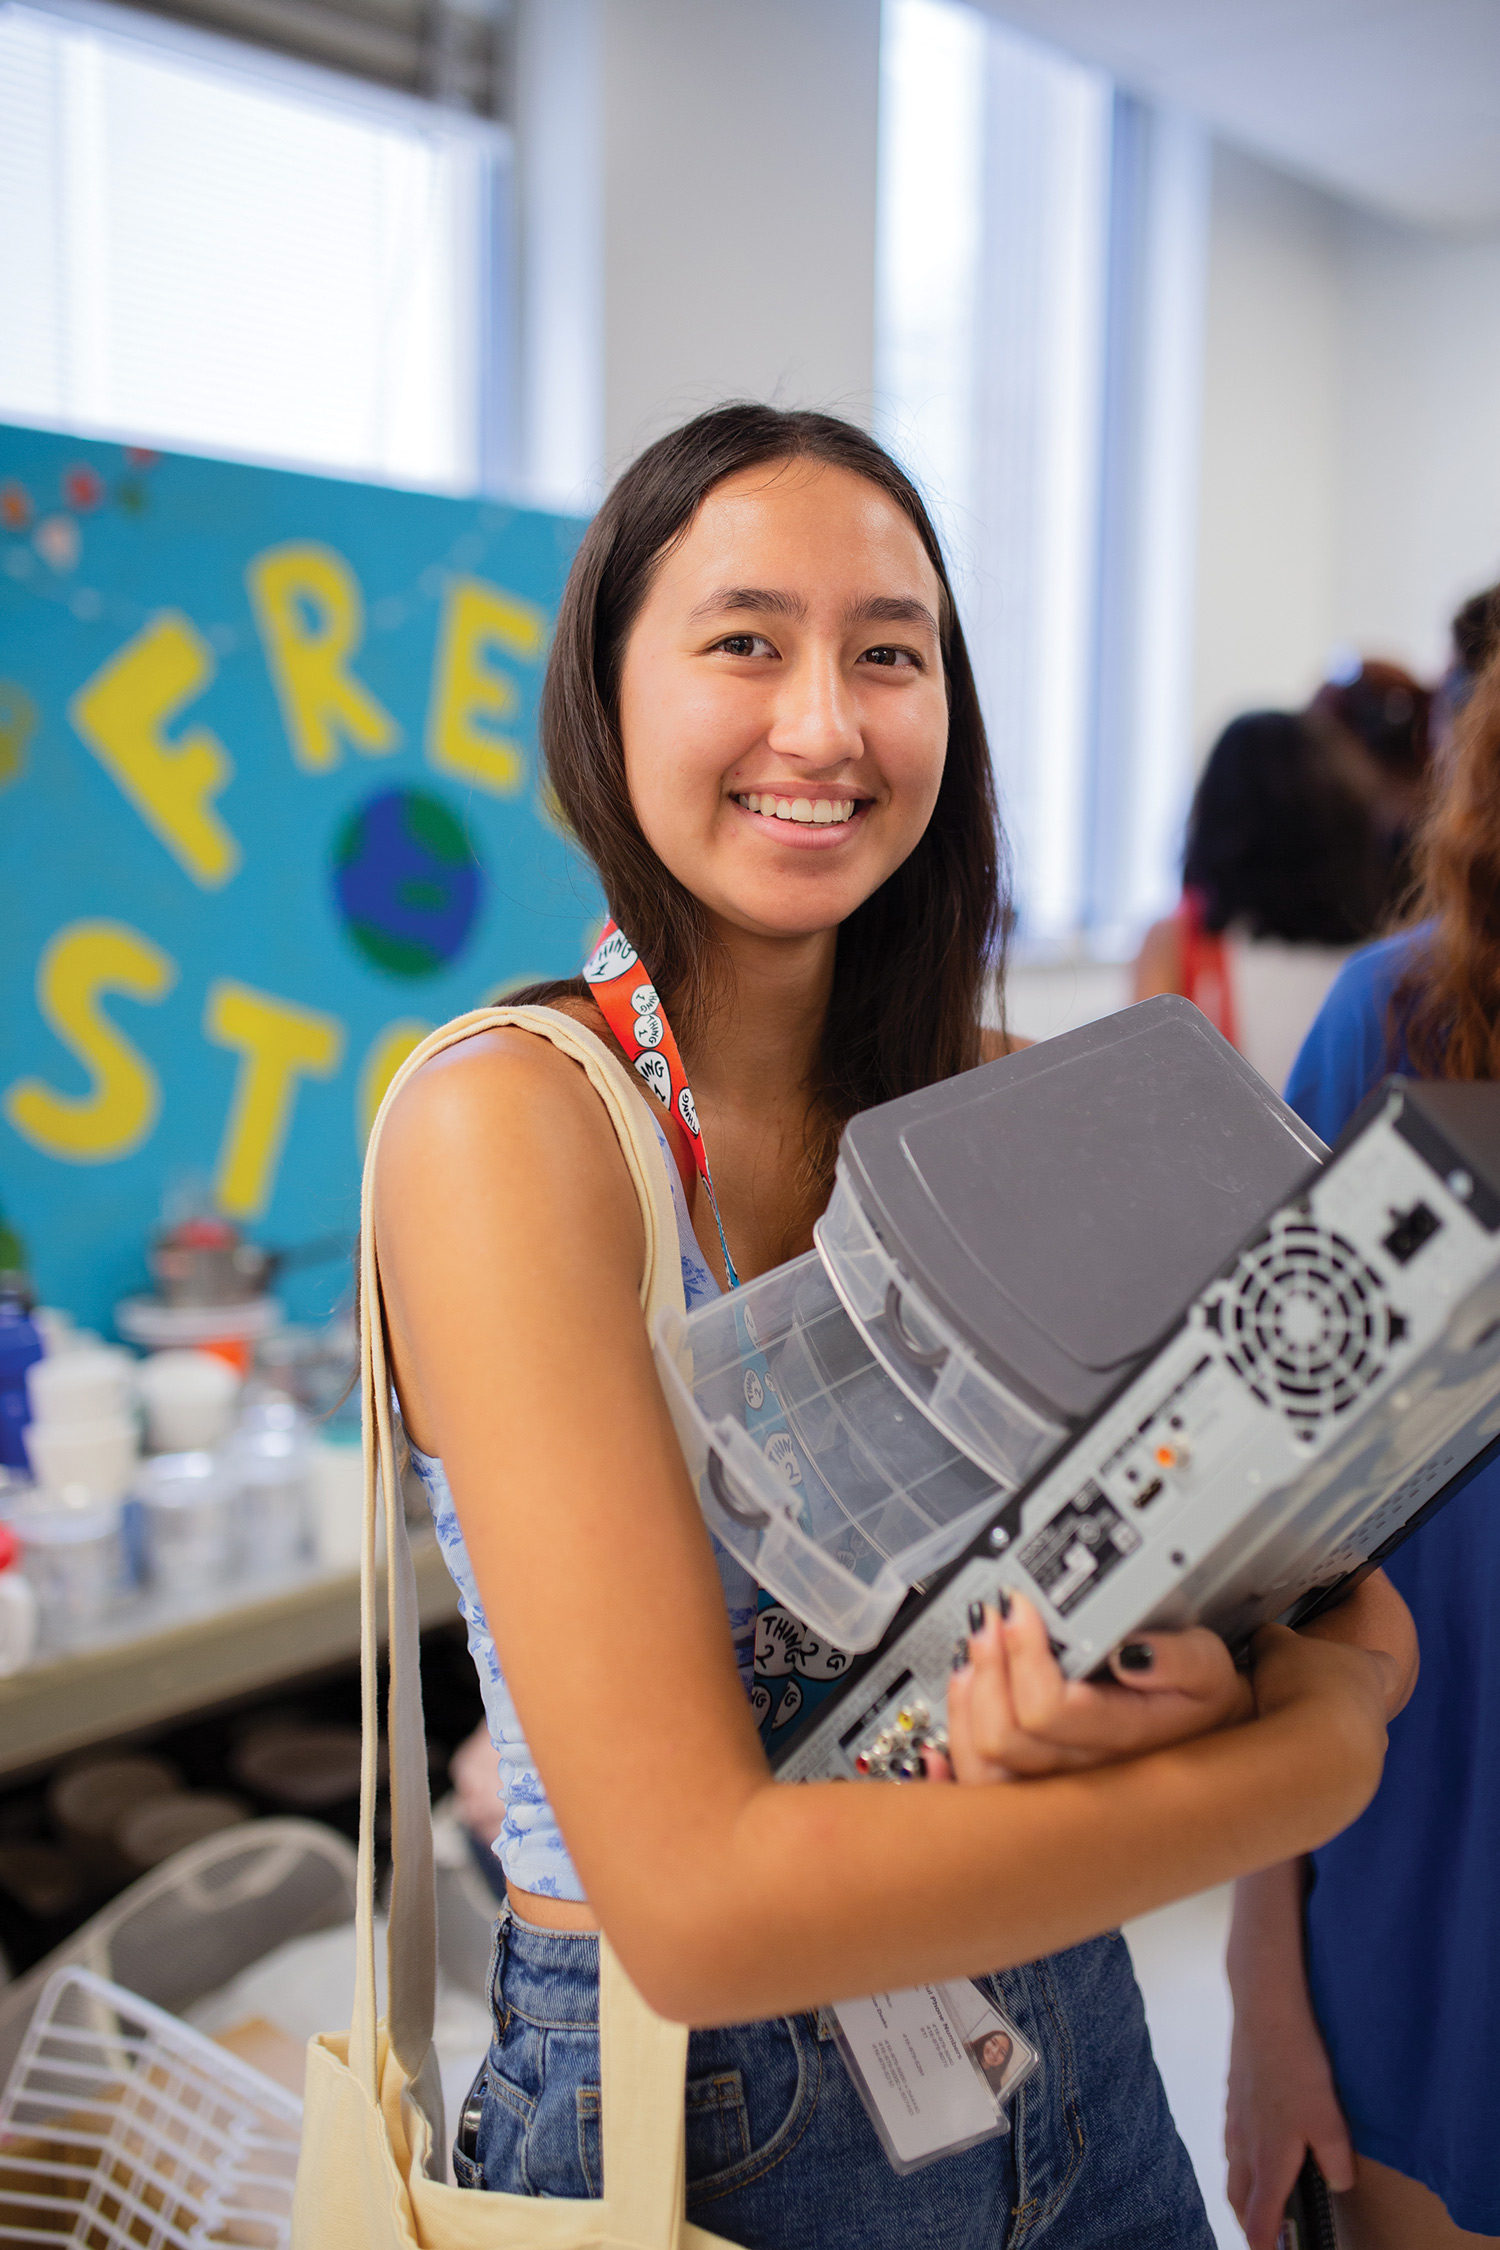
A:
x: 892, y: 609
x: 768, y: 601
x: 773, y: 601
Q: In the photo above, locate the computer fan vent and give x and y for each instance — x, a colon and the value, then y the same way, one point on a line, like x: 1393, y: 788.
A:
x: 1305, y: 1321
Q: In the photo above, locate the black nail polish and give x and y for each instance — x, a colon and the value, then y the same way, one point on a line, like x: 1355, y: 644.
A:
x: 1137, y: 1656
x: 1002, y: 1601
x: 960, y: 1655
x: 976, y: 1617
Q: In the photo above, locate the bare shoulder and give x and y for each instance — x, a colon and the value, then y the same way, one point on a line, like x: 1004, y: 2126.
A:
x: 500, y: 1119
x: 994, y: 1045
x: 1158, y: 965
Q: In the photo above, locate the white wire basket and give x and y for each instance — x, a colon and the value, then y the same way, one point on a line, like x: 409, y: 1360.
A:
x: 199, y: 1919
x: 122, y: 2129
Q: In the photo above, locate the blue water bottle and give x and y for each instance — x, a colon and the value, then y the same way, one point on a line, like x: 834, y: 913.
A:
x: 20, y: 1345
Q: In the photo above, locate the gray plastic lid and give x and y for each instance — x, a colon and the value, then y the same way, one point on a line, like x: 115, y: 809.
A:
x: 1147, y: 1148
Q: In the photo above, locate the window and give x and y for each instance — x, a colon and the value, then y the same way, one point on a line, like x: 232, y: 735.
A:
x: 1036, y: 325
x: 209, y: 247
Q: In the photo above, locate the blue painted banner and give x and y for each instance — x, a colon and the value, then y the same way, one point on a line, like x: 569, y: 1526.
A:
x: 269, y: 809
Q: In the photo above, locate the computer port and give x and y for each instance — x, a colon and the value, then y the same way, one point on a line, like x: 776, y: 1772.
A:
x: 1146, y: 1495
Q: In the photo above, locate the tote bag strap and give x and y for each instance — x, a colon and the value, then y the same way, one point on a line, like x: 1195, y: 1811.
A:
x: 643, y: 2058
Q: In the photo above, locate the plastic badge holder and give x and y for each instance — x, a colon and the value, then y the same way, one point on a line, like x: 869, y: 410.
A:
x: 811, y: 1465
x: 935, y: 2068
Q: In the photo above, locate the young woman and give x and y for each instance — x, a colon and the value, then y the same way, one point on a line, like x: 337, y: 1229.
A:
x: 1283, y: 876
x: 1395, y: 2050
x: 761, y: 724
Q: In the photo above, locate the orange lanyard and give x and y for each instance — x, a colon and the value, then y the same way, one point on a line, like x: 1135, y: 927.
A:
x: 629, y: 1004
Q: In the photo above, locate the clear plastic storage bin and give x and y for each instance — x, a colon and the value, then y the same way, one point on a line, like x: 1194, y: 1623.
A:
x: 75, y: 1559
x: 923, y: 1354
x: 270, y: 1459
x: 811, y: 1465
x: 189, y: 1508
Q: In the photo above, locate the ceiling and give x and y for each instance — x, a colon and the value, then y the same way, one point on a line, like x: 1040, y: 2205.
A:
x: 1394, y: 103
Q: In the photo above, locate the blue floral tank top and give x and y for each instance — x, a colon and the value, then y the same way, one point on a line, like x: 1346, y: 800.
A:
x: 530, y: 1846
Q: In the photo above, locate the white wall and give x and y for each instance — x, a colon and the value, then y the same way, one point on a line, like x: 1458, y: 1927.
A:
x: 1272, y: 401
x: 725, y: 231
x: 1421, y: 464
x: 1350, y: 489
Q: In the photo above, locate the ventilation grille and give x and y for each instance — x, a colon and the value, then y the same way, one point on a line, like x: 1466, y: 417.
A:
x: 1305, y: 1322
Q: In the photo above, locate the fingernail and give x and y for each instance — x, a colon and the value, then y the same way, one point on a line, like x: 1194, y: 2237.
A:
x: 1002, y: 1601
x: 1137, y: 1656
x: 976, y: 1617
x: 960, y: 1655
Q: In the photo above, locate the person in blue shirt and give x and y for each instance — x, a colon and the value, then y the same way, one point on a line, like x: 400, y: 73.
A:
x: 1367, y: 1980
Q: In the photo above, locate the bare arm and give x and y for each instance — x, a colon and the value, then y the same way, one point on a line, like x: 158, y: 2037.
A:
x: 1282, y: 2100
x: 512, y: 1252
x: 1158, y: 965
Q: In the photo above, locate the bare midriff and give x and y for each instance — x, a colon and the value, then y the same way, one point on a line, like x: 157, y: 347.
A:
x: 551, y: 1913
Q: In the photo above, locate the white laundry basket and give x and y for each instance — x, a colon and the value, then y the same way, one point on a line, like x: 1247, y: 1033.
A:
x: 122, y: 2129
x: 199, y: 1919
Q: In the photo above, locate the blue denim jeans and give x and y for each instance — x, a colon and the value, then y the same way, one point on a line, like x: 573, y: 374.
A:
x: 780, y: 2153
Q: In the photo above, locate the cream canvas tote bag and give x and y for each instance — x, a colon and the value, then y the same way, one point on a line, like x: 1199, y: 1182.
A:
x: 371, y: 2171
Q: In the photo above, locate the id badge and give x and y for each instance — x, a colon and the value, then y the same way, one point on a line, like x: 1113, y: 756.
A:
x: 934, y: 2067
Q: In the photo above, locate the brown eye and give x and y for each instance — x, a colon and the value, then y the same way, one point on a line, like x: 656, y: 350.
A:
x: 891, y: 658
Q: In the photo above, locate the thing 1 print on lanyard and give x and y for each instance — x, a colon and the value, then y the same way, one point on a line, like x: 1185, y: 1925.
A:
x: 629, y: 1004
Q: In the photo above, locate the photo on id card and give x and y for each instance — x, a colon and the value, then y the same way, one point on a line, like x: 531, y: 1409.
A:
x: 934, y: 2067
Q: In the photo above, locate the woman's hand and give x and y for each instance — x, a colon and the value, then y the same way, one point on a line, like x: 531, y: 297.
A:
x: 1282, y: 2100
x: 1013, y: 1716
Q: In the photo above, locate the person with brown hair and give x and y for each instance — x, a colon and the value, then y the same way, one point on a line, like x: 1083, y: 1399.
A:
x: 1378, y: 718
x: 1367, y: 1983
x: 761, y: 725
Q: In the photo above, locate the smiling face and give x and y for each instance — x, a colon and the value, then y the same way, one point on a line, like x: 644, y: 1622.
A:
x: 782, y: 701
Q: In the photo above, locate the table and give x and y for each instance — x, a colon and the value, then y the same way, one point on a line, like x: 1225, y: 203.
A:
x: 159, y: 1661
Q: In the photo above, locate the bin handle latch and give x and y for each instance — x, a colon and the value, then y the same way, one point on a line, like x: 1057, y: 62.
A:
x: 753, y: 1518
x: 902, y: 1337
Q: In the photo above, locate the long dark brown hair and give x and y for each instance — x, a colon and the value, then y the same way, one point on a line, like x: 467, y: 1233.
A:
x: 912, y: 959
x: 1446, y: 1007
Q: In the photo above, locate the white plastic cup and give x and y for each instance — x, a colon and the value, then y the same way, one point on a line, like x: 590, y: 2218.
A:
x: 189, y: 1517
x: 96, y: 1385
x: 189, y: 1398
x: 101, y: 1456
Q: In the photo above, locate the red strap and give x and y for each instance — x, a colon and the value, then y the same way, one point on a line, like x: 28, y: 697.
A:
x: 628, y: 1002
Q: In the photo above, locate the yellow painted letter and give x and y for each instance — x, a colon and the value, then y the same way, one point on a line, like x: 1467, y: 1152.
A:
x: 388, y: 1050
x: 122, y: 713
x: 471, y: 695
x: 121, y: 1104
x: 17, y: 726
x: 279, y: 1043
x: 311, y: 616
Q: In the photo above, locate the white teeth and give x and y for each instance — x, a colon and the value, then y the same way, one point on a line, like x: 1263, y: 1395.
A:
x: 816, y: 812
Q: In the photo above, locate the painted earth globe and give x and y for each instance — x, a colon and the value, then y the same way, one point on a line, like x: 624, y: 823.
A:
x: 407, y: 882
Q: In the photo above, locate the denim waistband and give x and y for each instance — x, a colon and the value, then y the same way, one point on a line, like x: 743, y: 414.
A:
x: 549, y: 1976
